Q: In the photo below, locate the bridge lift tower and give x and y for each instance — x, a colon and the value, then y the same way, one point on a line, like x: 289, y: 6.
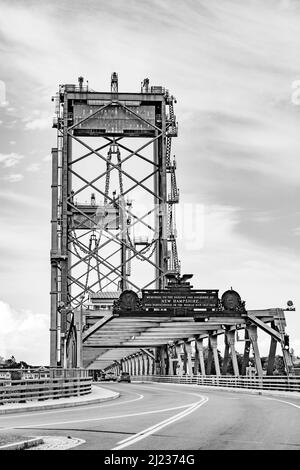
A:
x: 113, y: 195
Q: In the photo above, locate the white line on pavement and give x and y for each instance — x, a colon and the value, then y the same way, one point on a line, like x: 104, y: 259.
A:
x: 283, y: 401
x: 151, y: 430
x: 58, y: 423
x: 69, y: 409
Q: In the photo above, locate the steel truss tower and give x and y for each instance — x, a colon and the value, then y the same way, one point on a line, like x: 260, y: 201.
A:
x: 113, y: 195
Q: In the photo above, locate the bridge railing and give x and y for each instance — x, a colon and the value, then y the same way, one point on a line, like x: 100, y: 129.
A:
x: 20, y: 386
x: 283, y: 383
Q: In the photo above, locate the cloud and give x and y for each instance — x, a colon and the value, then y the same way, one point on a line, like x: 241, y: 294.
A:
x: 10, y: 159
x: 11, y: 124
x: 39, y: 124
x: 23, y: 334
x: 16, y: 199
x: 13, y: 177
x: 34, y: 167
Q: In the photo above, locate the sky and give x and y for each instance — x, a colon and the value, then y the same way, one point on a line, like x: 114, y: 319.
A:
x: 233, y: 67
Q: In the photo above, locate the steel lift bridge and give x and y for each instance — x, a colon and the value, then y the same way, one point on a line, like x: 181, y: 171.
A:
x: 118, y: 300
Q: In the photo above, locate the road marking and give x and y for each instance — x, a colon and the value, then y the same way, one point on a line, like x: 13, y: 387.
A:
x: 283, y: 401
x: 58, y: 423
x: 232, y: 398
x: 70, y: 409
x: 157, y: 427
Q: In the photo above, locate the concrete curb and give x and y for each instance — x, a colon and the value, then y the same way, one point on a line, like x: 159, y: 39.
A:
x: 21, y: 445
x: 252, y: 391
x: 52, y: 406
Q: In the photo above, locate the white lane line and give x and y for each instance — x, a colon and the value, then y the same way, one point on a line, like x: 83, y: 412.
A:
x: 87, y: 420
x: 283, y: 401
x: 152, y: 429
x: 167, y: 420
x: 70, y: 409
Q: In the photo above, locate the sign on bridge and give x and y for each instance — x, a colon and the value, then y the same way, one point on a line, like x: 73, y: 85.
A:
x: 190, y: 299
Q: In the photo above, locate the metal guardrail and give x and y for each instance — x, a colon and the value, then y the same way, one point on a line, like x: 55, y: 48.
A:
x: 282, y: 383
x: 32, y: 373
x: 20, y: 386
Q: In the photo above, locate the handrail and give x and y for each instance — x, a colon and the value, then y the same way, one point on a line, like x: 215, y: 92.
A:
x: 20, y: 391
x: 282, y: 383
x: 30, y: 373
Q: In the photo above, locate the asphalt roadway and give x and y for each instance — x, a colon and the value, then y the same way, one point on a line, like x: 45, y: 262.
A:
x: 170, y: 417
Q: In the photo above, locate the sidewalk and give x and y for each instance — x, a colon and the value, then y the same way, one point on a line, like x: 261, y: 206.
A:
x: 98, y: 395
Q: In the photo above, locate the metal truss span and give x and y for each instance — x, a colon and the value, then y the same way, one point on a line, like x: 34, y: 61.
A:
x: 113, y: 194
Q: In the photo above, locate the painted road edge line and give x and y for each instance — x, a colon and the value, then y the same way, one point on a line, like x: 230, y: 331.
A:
x: 283, y: 401
x: 65, y: 410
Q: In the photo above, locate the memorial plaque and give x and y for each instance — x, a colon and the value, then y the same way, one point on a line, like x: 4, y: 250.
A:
x: 190, y: 299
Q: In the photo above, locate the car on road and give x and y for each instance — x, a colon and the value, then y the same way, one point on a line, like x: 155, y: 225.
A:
x: 101, y: 377
x: 110, y: 376
x: 124, y: 377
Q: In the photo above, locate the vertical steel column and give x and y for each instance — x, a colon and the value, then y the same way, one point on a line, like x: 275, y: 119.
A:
x: 163, y: 193
x: 272, y: 353
x: 146, y: 364
x: 160, y: 189
x: 188, y: 350
x: 200, y: 354
x: 246, y: 353
x: 209, y: 356
x: 150, y: 365
x: 196, y: 361
x: 231, y: 340
x: 179, y: 360
x: 226, y: 355
x: 78, y: 326
x: 136, y: 363
x: 123, y: 219
x: 132, y: 363
x: 130, y: 366
x: 163, y: 360
x: 54, y: 248
x: 141, y: 365
x: 170, y: 364
x: 131, y: 369
x: 252, y: 329
x: 65, y: 253
x: 214, y: 345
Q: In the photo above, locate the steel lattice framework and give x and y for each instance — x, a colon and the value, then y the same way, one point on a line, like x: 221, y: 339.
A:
x: 113, y: 194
